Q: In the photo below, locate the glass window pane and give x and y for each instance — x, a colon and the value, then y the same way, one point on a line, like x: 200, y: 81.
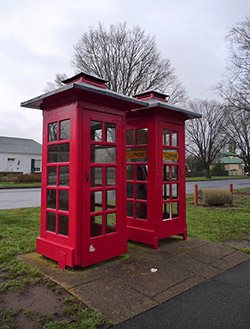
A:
x: 58, y: 153
x: 166, y: 211
x: 137, y: 154
x: 142, y: 172
x: 110, y: 132
x: 96, y: 131
x: 103, y: 154
x: 130, y: 172
x: 110, y: 223
x: 141, y: 191
x: 64, y: 200
x: 64, y: 129
x: 141, y: 210
x: 110, y: 176
x: 95, y: 226
x: 166, y: 191
x: 166, y: 137
x: 51, y: 199
x: 175, y: 173
x: 166, y: 173
x: 51, y: 222
x: 53, y: 132
x: 170, y: 155
x: 142, y: 136
x: 175, y: 191
x: 174, y: 138
x: 96, y: 176
x: 130, y: 137
x: 130, y: 190
x: 52, y: 175
x: 175, y: 209
x: 130, y: 208
x: 63, y: 224
x: 110, y: 199
x: 96, y: 201
x: 64, y: 176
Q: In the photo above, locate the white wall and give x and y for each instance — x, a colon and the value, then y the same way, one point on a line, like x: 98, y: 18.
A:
x: 21, y: 162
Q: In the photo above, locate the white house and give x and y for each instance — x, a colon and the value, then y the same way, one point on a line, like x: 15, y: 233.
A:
x: 20, y: 155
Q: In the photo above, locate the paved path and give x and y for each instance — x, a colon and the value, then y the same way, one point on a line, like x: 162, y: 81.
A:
x: 20, y: 198
x: 222, y: 302
x: 124, y: 287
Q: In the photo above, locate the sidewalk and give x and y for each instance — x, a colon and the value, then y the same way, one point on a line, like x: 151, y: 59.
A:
x: 124, y: 287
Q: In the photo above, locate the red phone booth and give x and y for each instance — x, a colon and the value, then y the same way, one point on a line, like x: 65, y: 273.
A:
x: 83, y: 170
x: 156, y: 170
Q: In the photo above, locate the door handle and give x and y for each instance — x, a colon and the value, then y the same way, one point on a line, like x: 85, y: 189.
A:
x: 87, y: 176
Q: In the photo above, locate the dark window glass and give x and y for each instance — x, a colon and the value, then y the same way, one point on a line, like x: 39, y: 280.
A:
x: 166, y: 191
x: 166, y: 137
x: 130, y: 137
x: 142, y: 172
x: 51, y: 222
x: 52, y: 175
x: 141, y: 191
x: 141, y: 210
x: 110, y: 223
x: 64, y: 200
x: 175, y: 209
x: 96, y: 176
x: 64, y: 176
x: 110, y: 199
x: 53, y: 132
x: 96, y: 131
x: 96, y: 201
x: 103, y: 154
x: 174, y: 138
x: 110, y: 132
x: 63, y: 224
x: 110, y: 176
x: 58, y: 153
x: 137, y: 154
x: 175, y: 173
x: 130, y: 190
x: 166, y: 211
x: 142, y: 136
x: 95, y: 226
x: 130, y: 209
x: 166, y: 173
x: 130, y: 172
x: 175, y: 191
x: 51, y: 199
x: 64, y: 129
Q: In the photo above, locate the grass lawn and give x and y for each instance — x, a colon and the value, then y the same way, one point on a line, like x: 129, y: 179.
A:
x: 221, y: 224
x: 18, y: 231
x: 15, y: 185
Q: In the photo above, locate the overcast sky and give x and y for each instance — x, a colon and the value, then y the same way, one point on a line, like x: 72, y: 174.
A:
x: 37, y: 38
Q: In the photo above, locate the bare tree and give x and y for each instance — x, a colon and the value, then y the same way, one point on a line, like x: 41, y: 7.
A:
x: 235, y: 90
x: 128, y: 59
x: 205, y: 137
x: 237, y: 128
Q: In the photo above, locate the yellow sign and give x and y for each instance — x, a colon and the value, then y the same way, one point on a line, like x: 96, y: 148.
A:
x: 167, y: 155
x: 132, y: 155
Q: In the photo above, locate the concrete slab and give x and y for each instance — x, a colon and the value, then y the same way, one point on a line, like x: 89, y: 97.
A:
x: 124, y: 286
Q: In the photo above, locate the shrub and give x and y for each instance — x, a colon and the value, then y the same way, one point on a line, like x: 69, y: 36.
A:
x: 27, y: 178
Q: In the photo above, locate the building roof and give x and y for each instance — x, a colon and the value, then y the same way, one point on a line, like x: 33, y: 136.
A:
x: 231, y: 160
x: 19, y: 146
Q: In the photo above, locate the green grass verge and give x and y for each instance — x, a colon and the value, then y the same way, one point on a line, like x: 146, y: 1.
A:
x: 18, y: 231
x: 19, y: 185
x: 219, y: 224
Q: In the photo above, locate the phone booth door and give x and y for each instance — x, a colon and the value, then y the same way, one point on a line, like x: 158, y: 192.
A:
x: 103, y: 188
x: 172, y: 161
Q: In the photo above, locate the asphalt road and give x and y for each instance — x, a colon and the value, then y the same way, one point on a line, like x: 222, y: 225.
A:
x: 222, y: 302
x: 23, y: 198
